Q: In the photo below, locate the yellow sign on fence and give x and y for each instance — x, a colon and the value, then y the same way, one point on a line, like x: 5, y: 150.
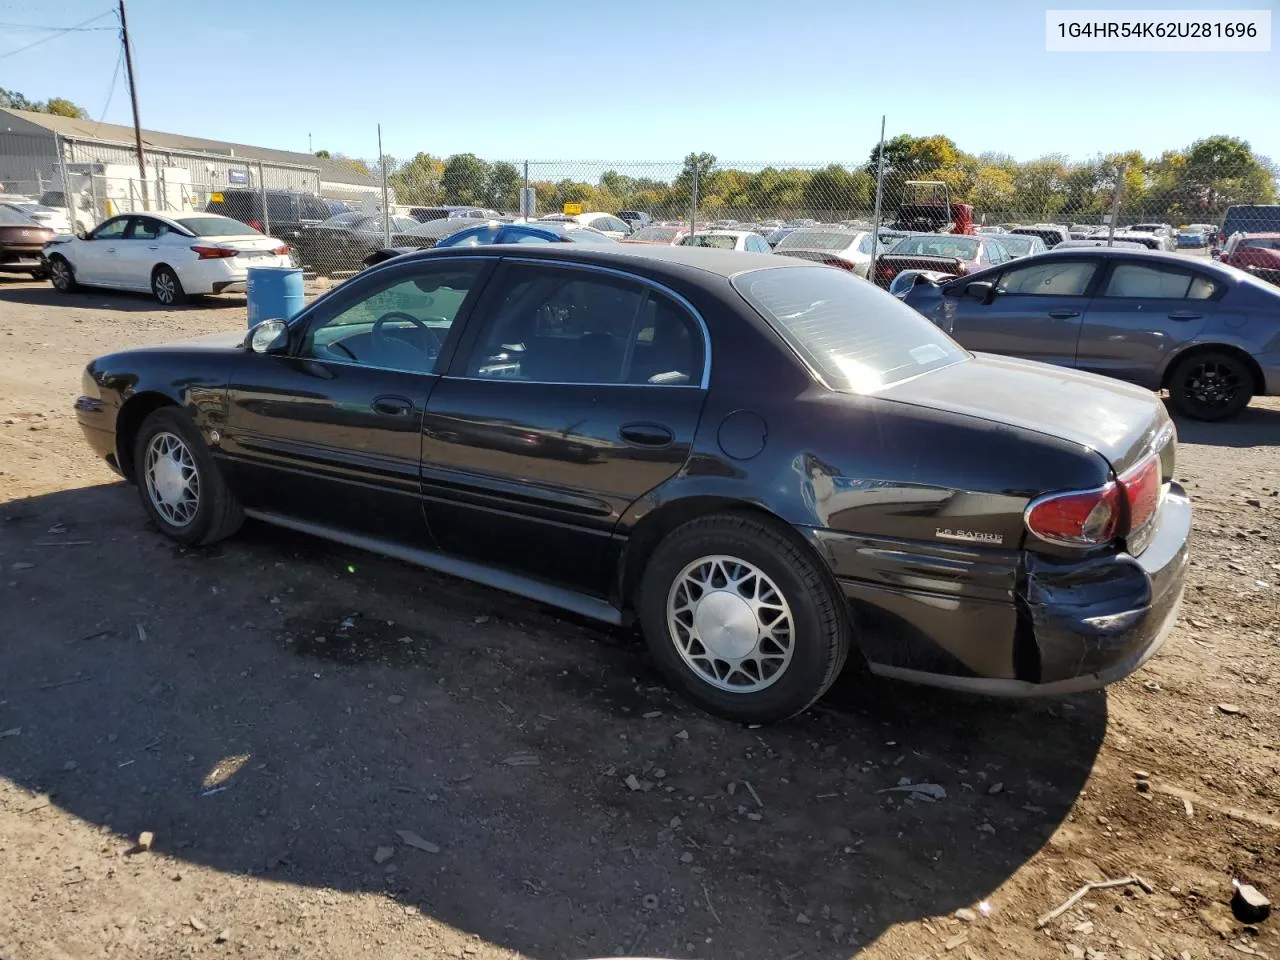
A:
x: 215, y: 198
x: 572, y: 209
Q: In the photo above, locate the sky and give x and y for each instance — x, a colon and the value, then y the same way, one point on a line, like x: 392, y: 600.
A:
x: 639, y: 80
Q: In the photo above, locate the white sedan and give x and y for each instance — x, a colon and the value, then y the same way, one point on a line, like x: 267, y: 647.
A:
x: 55, y: 220
x: 172, y: 255
x: 728, y: 240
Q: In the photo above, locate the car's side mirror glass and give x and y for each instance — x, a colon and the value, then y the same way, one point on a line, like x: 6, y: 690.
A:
x: 270, y: 336
x: 979, y: 290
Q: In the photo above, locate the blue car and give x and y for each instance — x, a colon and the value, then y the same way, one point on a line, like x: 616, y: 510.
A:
x: 524, y: 233
x: 1194, y: 239
x: 1208, y: 334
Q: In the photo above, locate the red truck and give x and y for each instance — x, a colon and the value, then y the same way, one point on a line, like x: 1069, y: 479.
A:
x: 1255, y: 253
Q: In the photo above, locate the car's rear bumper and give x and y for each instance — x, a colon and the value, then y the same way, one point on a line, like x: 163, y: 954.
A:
x: 1014, y: 624
x: 1269, y: 364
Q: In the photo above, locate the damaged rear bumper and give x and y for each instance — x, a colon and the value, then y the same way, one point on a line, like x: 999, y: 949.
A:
x: 1009, y: 623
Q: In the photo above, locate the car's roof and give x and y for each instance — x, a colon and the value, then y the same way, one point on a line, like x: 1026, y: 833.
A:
x: 1268, y: 235
x: 725, y: 232
x: 1148, y: 255
x: 663, y: 259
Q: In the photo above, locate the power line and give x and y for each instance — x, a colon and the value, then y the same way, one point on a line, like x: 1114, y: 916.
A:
x: 61, y: 31
x: 32, y: 26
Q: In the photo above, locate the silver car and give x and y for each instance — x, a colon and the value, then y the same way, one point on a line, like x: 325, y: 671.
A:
x: 834, y: 246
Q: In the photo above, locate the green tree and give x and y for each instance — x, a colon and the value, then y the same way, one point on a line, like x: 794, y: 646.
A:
x: 916, y: 155
x: 1222, y: 170
x: 418, y: 181
x: 504, y: 183
x: 465, y: 180
x: 323, y: 154
x: 993, y: 191
x: 57, y: 106
x: 835, y: 189
x: 1040, y: 186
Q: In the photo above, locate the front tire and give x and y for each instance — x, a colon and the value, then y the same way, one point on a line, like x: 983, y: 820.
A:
x: 181, y: 488
x: 1211, y: 386
x: 166, y: 287
x: 61, y: 275
x: 742, y: 620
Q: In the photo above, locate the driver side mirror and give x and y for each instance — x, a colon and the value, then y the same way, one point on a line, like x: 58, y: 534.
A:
x: 981, y: 290
x: 269, y: 337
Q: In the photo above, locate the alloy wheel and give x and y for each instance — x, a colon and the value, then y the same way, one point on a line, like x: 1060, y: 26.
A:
x: 165, y: 286
x: 61, y: 273
x: 173, y: 482
x: 1213, y: 385
x: 730, y: 624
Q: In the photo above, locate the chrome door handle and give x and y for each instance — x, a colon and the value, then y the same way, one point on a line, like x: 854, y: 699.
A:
x: 1185, y: 315
x: 111, y: 249
x: 154, y: 246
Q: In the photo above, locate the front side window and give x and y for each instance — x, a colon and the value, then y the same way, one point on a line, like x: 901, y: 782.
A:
x: 1152, y: 281
x: 1059, y: 278
x: 399, y: 324
x: 112, y: 229
x: 553, y: 325
x: 854, y: 335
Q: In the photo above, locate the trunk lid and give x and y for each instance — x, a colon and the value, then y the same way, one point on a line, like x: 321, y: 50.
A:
x: 889, y: 265
x: 1121, y: 421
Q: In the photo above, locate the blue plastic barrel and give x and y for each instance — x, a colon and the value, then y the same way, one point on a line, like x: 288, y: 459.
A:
x: 274, y: 293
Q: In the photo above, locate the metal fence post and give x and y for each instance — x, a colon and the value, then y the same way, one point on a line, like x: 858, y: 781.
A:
x: 526, y: 207
x: 693, y: 205
x: 262, y: 192
x: 1115, y: 204
x: 875, y: 230
x: 386, y: 203
x: 67, y: 200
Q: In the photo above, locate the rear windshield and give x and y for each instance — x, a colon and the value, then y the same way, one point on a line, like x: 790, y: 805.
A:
x: 54, y: 198
x: 855, y: 335
x: 1018, y: 246
x: 217, y: 227
x: 942, y: 245
x: 719, y: 241
x: 817, y: 240
x: 588, y: 235
x: 655, y: 234
x: 11, y: 217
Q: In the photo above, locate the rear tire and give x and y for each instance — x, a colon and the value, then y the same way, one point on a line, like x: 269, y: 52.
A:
x: 166, y: 287
x: 181, y: 488
x: 1210, y: 386
x: 742, y: 620
x: 61, y: 275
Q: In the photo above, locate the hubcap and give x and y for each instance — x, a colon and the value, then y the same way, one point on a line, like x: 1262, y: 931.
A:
x: 731, y: 624
x: 173, y: 483
x: 1213, y: 384
x: 165, y: 287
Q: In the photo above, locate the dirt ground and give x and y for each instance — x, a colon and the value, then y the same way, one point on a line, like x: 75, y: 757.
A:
x: 277, y: 709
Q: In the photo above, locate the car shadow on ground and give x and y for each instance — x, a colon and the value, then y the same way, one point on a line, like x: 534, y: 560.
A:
x: 279, y: 705
x: 44, y: 295
x: 1256, y: 426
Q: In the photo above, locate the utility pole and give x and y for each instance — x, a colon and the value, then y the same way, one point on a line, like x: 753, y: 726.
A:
x: 133, y: 96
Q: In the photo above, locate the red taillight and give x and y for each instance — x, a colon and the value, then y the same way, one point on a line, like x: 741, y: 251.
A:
x: 282, y: 250
x: 214, y: 253
x: 1087, y: 519
x: 256, y: 224
x: 1141, y: 487
x: 837, y: 262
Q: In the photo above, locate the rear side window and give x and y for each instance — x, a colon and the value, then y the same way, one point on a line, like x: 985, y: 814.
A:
x: 815, y: 240
x: 854, y: 335
x: 281, y: 207
x: 1065, y: 278
x: 1150, y: 281
x: 313, y: 208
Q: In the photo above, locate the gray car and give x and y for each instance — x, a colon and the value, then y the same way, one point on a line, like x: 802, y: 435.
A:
x: 1207, y: 333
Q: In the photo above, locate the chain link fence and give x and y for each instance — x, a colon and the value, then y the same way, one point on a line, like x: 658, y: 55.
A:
x: 913, y: 185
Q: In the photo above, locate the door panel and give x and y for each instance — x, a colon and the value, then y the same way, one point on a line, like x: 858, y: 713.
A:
x: 575, y: 392
x: 95, y: 259
x: 1133, y: 324
x: 138, y: 252
x: 534, y: 477
x: 1035, y: 313
x: 330, y: 442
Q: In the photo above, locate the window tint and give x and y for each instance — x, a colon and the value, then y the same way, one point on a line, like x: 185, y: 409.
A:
x: 112, y: 229
x: 856, y: 336
x: 756, y: 244
x: 960, y: 248
x: 1061, y: 278
x: 864, y: 245
x: 401, y: 324
x: 313, y: 208
x: 281, y: 207
x: 570, y: 326
x: 1149, y: 281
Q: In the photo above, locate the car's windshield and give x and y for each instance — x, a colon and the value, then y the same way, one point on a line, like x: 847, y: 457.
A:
x: 441, y: 228
x: 345, y: 220
x: 720, y: 241
x: 655, y: 234
x: 214, y: 226
x: 942, y: 245
x: 854, y: 335
x: 1263, y: 243
x: 816, y: 240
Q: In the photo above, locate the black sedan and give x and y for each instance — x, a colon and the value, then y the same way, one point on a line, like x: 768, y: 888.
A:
x: 342, y: 242
x: 1208, y: 334
x: 765, y: 463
